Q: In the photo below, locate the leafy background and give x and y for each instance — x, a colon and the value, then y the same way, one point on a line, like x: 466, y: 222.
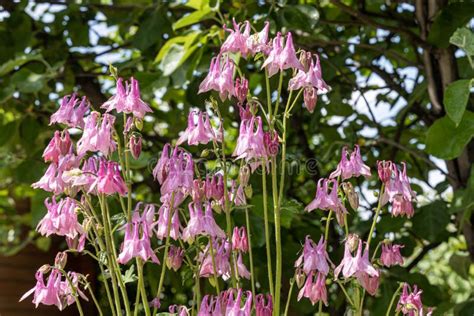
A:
x: 400, y: 72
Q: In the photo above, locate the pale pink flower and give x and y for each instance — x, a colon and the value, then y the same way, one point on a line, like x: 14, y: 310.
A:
x: 263, y: 308
x: 237, y: 41
x: 241, y: 89
x: 399, y: 193
x: 310, y: 78
x: 71, y: 112
x: 240, y: 267
x: 328, y: 201
x: 201, y: 223
x: 391, y: 255
x: 221, y: 251
x: 352, y: 167
x: 163, y: 220
x: 357, y: 265
x: 258, y: 42
x: 199, y: 130
x: 239, y: 239
x: 179, y: 310
x: 59, y: 145
x: 219, y: 78
x: 135, y: 146
x: 175, y: 258
x: 281, y: 58
x: 314, y: 257
x: 60, y: 219
x: 410, y: 302
x: 109, y: 180
x: 97, y: 135
x: 250, y: 143
x: 310, y: 98
x: 314, y: 288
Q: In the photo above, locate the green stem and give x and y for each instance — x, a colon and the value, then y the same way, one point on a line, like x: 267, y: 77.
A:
x: 214, y: 268
x: 74, y: 293
x: 267, y: 229
x: 326, y: 230
x: 94, y: 299
x: 393, y: 299
x: 292, y: 283
x: 249, y: 238
x: 345, y: 292
x: 142, y: 286
x: 277, y: 102
x: 269, y: 97
x: 277, y: 220
x: 165, y: 255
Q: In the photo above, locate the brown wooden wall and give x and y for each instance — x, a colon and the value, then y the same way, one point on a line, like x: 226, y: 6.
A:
x: 17, y: 275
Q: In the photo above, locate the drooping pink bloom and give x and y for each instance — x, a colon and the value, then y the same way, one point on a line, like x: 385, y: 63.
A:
x: 248, y: 112
x: 314, y: 288
x: 109, y: 180
x: 241, y: 89
x: 399, y: 193
x: 136, y: 243
x: 127, y: 99
x: 201, y: 223
x: 71, y: 112
x: 97, y: 135
x: 258, y: 42
x: 410, y: 302
x: 61, y: 218
x: 219, y: 78
x: 175, y: 258
x: 263, y: 308
x: 310, y: 78
x: 59, y: 145
x: 77, y: 243
x: 237, y: 41
x: 237, y: 194
x: 51, y: 181
x: 179, y: 310
x: 250, y: 143
x: 384, y: 170
x: 135, y: 146
x: 224, y: 304
x: 314, y: 257
x: 358, y: 265
x: 352, y: 167
x: 239, y: 239
x: 155, y: 303
x: 56, y: 291
x: 163, y: 220
x: 328, y: 201
x: 234, y: 306
x: 199, y: 130
x: 391, y: 255
x: 221, y: 251
x: 310, y: 97
x: 281, y: 58
x: 83, y: 178
x: 369, y: 283
x: 240, y: 267
x: 272, y: 144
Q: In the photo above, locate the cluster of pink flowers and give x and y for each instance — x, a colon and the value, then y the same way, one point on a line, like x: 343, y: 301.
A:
x: 410, y: 302
x: 226, y: 304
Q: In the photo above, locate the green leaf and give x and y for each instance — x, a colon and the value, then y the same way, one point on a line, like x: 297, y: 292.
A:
x: 185, y: 40
x: 451, y: 17
x: 446, y: 141
x: 194, y: 18
x: 129, y: 275
x: 7, y: 132
x: 150, y: 30
x: 430, y: 221
x: 456, y: 96
x: 460, y: 265
x: 176, y: 51
x: 172, y: 60
x: 17, y: 62
x: 27, y: 81
x: 464, y: 38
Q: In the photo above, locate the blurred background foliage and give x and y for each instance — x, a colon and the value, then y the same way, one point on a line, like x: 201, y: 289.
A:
x: 400, y: 73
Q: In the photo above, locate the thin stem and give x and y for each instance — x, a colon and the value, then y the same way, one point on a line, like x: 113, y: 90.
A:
x: 142, y: 286
x: 165, y: 255
x: 345, y: 292
x: 214, y: 268
x: 74, y: 292
x: 393, y: 299
x: 277, y: 220
x: 377, y: 212
x: 292, y: 283
x: 269, y: 97
x: 97, y: 305
x: 267, y: 229
x: 326, y: 230
x: 277, y: 102
x: 249, y: 238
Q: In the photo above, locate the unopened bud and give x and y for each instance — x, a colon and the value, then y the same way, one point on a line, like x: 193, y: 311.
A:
x: 244, y: 175
x: 305, y: 60
x: 135, y: 145
x: 310, y: 97
x: 351, y: 195
x: 45, y: 268
x: 300, y: 278
x: 175, y: 258
x: 241, y: 89
x: 352, y: 241
x: 384, y: 169
x: 248, y: 191
x: 60, y: 260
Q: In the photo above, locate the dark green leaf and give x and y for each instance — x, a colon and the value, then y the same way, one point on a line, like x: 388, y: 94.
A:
x: 461, y: 265
x: 464, y: 38
x: 430, y: 221
x: 456, y: 96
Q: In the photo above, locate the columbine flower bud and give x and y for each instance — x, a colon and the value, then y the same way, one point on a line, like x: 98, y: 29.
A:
x: 299, y: 277
x: 384, y: 169
x: 135, y: 145
x: 351, y: 195
x: 305, y: 60
x: 241, y: 89
x: 244, y: 175
x: 175, y: 258
x: 310, y: 96
x: 45, y: 268
x: 271, y: 143
x: 352, y: 241
x: 60, y: 260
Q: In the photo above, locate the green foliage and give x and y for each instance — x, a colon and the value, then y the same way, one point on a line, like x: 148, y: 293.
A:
x: 456, y: 96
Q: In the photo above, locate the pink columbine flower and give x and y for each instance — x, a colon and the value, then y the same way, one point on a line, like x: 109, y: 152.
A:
x: 241, y: 89
x: 135, y: 146
x: 271, y: 142
x: 310, y: 97
x: 328, y: 201
x: 179, y: 310
x: 391, y: 255
x: 127, y: 99
x: 219, y: 78
x: 59, y: 145
x: 258, y: 42
x: 61, y: 218
x: 234, y: 306
x: 281, y: 58
x: 175, y: 171
x: 199, y: 130
x: 263, y: 308
x: 237, y: 194
x: 155, y: 303
x: 221, y: 251
x: 410, y: 302
x: 83, y: 178
x: 71, y: 112
x: 314, y: 257
x: 352, y: 265
x: 109, y: 180
x: 201, y: 223
x: 56, y: 291
x: 136, y: 243
x: 237, y: 41
x: 399, y: 193
x: 175, y: 258
x: 239, y: 239
x: 384, y: 170
x: 314, y: 288
x: 97, y: 135
x: 52, y: 180
x: 250, y: 143
x: 352, y: 167
x: 240, y: 267
x: 162, y: 223
x: 310, y: 78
